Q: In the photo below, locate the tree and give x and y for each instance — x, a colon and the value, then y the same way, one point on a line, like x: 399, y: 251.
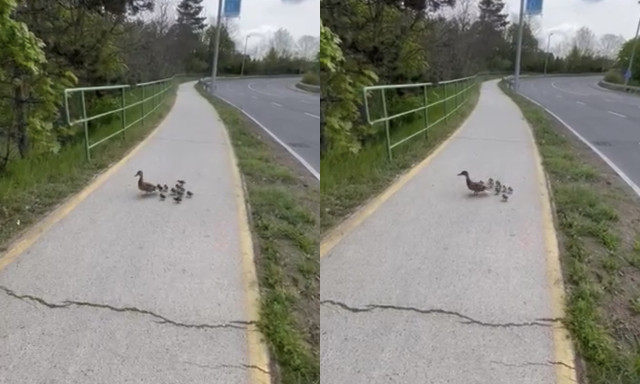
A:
x: 189, y: 15
x: 625, y: 55
x: 187, y: 31
x: 585, y: 41
x: 308, y: 47
x: 490, y: 29
x: 283, y: 43
x: 28, y: 97
x: 609, y: 45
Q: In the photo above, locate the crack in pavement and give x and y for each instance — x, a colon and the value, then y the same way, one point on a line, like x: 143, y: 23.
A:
x: 221, y: 366
x: 541, y: 322
x: 160, y: 319
x: 546, y: 364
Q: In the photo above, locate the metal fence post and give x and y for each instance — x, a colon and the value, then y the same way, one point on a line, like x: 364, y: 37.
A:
x: 86, y: 126
x: 426, y: 113
x: 142, y: 105
x: 446, y: 113
x: 124, y: 113
x: 386, y: 123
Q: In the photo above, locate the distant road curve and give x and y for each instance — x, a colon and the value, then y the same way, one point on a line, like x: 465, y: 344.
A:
x: 609, y: 121
x: 290, y: 114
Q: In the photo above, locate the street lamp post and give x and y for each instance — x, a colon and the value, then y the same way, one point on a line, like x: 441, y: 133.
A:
x: 516, y: 77
x: 633, y: 54
x: 216, y: 48
x: 546, y: 58
x: 244, y: 54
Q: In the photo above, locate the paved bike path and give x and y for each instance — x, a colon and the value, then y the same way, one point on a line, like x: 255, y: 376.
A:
x: 127, y: 288
x: 438, y: 286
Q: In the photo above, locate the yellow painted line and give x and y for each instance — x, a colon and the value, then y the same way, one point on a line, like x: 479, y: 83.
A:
x: 562, y: 344
x: 257, y: 349
x: 34, y: 233
x: 343, y: 229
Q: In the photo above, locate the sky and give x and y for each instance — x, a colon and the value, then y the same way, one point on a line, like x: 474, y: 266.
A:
x: 566, y: 16
x: 299, y: 17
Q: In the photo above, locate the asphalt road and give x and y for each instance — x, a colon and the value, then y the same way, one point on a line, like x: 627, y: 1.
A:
x: 128, y: 288
x: 439, y: 286
x: 609, y: 120
x: 290, y: 114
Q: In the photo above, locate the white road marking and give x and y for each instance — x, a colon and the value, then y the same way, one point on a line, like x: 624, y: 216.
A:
x: 581, y: 103
x: 308, y: 166
x: 276, y: 104
x: 617, y: 114
x: 250, y: 86
x: 312, y: 115
x: 610, y: 163
x: 553, y: 84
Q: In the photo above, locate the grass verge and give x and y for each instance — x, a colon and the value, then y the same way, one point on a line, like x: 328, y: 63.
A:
x: 284, y: 219
x: 345, y: 188
x: 597, y: 219
x: 34, y: 186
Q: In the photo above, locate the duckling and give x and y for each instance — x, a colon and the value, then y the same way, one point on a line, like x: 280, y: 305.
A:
x: 159, y: 187
x: 473, y: 185
x: 143, y: 185
x: 177, y: 199
x: 173, y: 191
x: 490, y: 183
x: 509, y: 190
x: 504, y: 189
x: 505, y: 197
x: 497, y: 188
x: 162, y: 196
x: 181, y: 182
x: 165, y: 188
x: 189, y: 194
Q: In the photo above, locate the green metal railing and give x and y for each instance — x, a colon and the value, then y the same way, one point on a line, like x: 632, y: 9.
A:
x: 149, y: 96
x: 450, y: 95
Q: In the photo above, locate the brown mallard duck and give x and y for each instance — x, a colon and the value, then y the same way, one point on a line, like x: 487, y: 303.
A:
x: 143, y: 185
x: 473, y: 185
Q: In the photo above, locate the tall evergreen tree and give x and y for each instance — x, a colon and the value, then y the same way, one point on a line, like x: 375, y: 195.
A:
x: 189, y: 29
x: 189, y: 15
x: 490, y: 31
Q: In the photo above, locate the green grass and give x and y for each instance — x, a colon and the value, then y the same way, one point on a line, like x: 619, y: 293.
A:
x: 600, y: 253
x: 350, y: 180
x: 285, y: 227
x: 33, y: 186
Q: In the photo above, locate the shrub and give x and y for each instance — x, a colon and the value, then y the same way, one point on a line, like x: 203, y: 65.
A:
x: 613, y: 76
x: 311, y: 78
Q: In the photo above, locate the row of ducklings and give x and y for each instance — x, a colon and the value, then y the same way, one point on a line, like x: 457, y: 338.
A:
x: 178, y: 191
x: 480, y: 186
x: 499, y: 188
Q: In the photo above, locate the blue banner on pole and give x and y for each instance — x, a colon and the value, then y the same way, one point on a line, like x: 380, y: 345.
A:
x: 627, y: 75
x: 533, y: 7
x: 231, y: 8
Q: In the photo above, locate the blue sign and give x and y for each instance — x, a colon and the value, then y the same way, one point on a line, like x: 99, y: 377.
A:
x: 533, y: 7
x: 627, y: 75
x: 231, y: 8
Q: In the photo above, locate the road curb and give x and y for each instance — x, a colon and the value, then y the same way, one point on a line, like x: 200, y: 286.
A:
x: 619, y: 87
x: 308, y: 87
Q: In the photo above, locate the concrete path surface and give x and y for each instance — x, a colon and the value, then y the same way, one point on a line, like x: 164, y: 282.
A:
x: 292, y: 115
x: 130, y: 289
x: 438, y: 286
